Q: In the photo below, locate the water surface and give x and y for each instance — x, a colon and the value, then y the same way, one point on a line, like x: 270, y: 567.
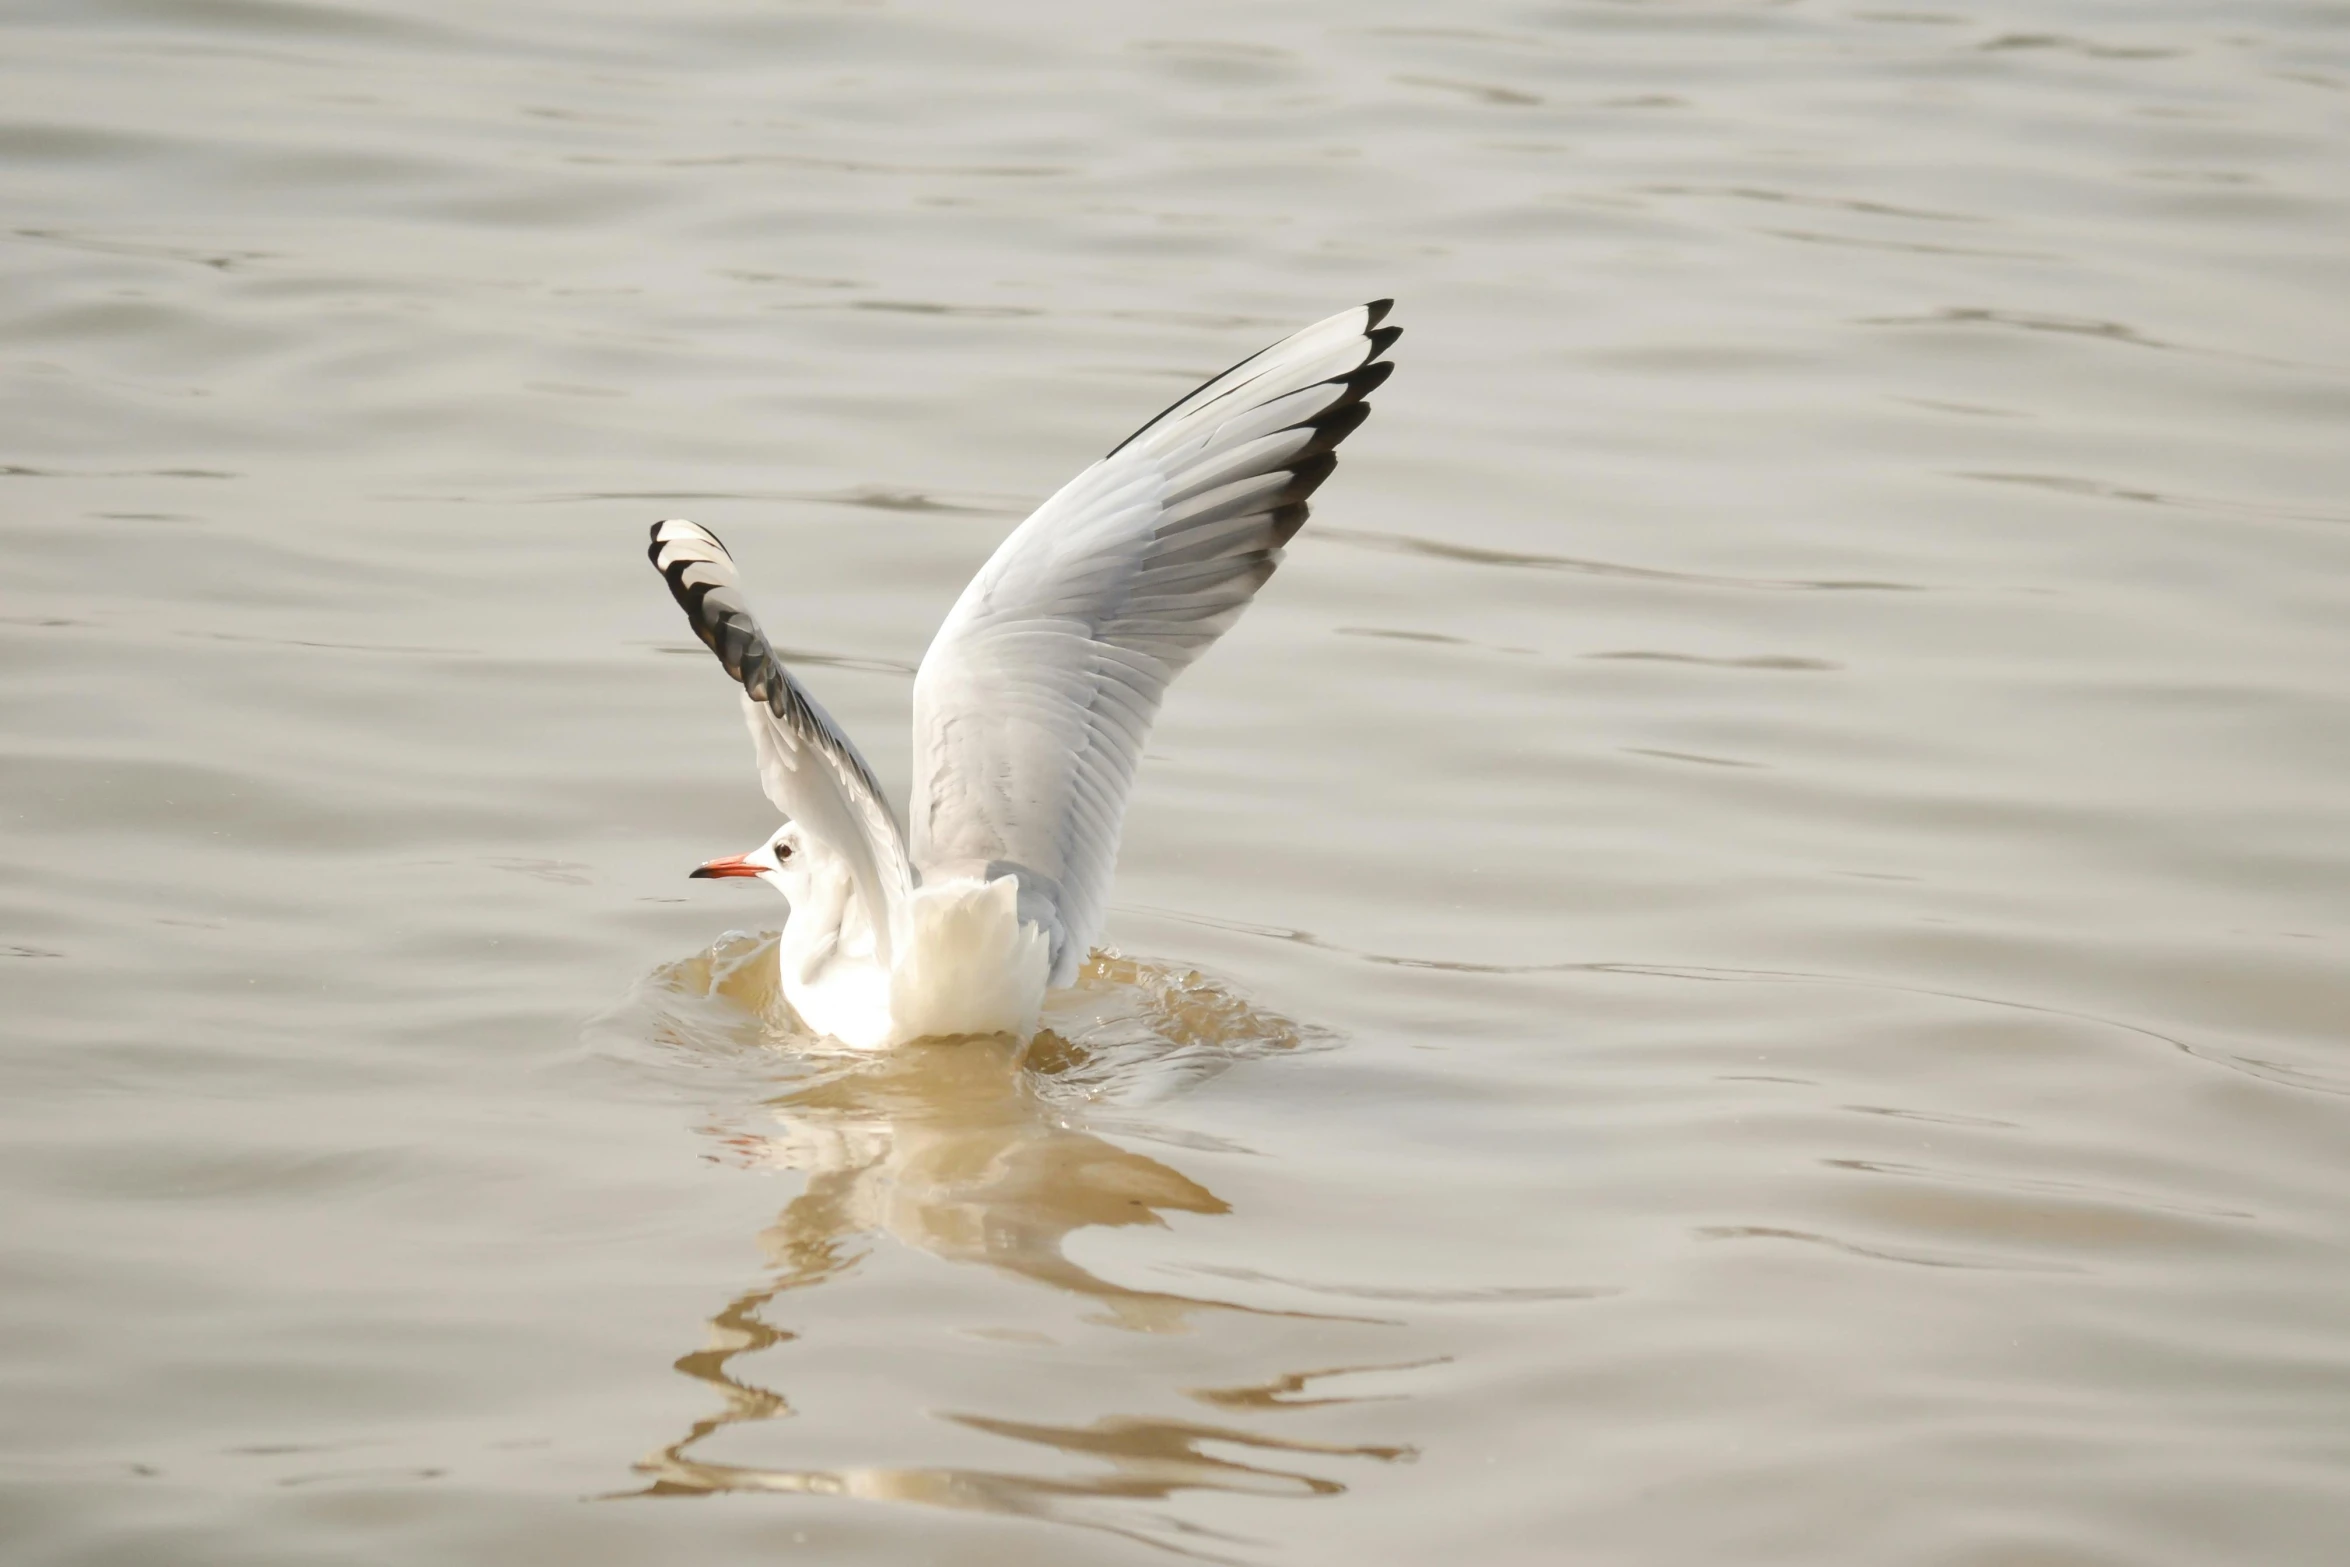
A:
x: 1742, y: 960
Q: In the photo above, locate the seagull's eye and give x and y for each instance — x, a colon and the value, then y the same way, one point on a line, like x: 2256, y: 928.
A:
x: 782, y: 852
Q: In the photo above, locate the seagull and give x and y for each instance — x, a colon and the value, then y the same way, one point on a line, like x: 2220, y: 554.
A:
x: 1030, y: 707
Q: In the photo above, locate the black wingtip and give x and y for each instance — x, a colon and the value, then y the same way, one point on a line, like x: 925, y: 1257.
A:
x: 1378, y: 309
x: 1306, y: 478
x: 1336, y: 426
x: 661, y: 522
x: 1283, y: 522
x: 1383, y: 338
x: 653, y: 549
x: 1365, y: 379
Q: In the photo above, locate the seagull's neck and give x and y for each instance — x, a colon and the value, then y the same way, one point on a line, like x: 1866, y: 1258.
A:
x: 826, y: 960
x: 827, y: 925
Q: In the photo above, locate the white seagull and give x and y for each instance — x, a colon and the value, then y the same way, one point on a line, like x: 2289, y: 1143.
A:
x: 1030, y: 707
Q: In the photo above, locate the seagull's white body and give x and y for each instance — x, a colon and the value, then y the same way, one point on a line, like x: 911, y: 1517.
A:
x: 1030, y: 707
x: 966, y: 963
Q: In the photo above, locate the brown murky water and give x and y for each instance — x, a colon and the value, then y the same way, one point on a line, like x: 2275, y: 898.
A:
x: 1742, y: 961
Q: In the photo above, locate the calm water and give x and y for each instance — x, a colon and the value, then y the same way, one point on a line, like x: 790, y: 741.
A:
x: 1743, y: 960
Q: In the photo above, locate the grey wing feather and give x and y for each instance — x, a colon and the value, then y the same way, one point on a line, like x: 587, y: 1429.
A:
x: 1033, y: 702
x: 808, y: 765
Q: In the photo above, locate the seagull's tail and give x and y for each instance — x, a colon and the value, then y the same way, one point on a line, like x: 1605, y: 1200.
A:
x: 969, y: 965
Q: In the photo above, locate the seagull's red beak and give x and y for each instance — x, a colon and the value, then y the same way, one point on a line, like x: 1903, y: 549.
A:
x: 732, y: 865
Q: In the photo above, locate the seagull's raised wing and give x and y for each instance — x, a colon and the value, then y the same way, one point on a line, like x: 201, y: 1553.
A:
x: 811, y: 768
x: 1032, y: 703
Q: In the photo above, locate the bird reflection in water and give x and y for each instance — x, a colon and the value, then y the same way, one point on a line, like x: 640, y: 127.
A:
x: 968, y: 1150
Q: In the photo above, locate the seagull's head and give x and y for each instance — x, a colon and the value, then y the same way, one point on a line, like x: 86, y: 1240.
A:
x: 780, y: 862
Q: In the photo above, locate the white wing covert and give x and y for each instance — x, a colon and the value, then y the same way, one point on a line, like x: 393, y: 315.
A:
x: 1032, y: 704
x: 808, y: 765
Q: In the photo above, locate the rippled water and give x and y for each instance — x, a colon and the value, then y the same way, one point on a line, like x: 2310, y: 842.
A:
x: 1743, y: 960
